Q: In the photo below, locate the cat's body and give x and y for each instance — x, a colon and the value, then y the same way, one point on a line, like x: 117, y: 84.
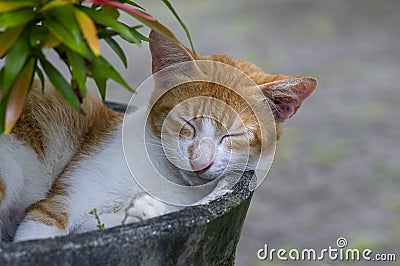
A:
x: 52, y: 152
x: 57, y: 165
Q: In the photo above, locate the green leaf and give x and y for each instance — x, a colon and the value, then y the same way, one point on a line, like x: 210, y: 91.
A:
x: 138, y: 35
x: 120, y: 5
x: 135, y: 5
x: 50, y: 41
x: 171, y: 8
x: 66, y: 16
x: 3, y: 106
x: 39, y: 72
x: 37, y: 34
x: 8, y: 37
x: 108, y: 21
x: 60, y: 84
x: 160, y: 28
x: 106, y: 33
x: 103, y: 69
x: 109, y: 33
x: 78, y: 70
x: 112, y: 12
x: 53, y: 4
x: 118, y: 50
x: 7, y: 6
x: 1, y: 77
x: 16, y: 18
x: 15, y: 61
x: 101, y: 84
x: 153, y: 24
x: 66, y: 36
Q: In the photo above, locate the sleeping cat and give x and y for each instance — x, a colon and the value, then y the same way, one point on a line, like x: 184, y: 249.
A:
x: 57, y: 165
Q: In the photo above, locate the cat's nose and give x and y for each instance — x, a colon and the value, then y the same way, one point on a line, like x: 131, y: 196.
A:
x: 202, y: 154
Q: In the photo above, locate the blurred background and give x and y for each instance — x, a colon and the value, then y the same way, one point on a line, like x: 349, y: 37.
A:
x: 337, y: 169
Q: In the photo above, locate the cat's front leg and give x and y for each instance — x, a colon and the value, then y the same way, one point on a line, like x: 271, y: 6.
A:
x: 223, y: 187
x: 46, y: 218
x: 30, y: 230
x: 145, y: 207
x: 140, y: 208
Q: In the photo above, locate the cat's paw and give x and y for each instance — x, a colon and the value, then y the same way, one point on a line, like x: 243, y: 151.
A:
x: 144, y: 207
x: 223, y: 187
x: 35, y: 230
x: 213, y: 196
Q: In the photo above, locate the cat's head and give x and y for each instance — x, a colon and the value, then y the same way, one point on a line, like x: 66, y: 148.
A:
x: 211, y: 126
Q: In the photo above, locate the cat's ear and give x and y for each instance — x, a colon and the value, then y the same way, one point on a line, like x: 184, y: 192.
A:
x: 165, y: 53
x: 287, y: 95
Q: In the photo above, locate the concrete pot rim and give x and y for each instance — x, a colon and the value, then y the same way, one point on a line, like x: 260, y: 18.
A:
x: 185, y: 219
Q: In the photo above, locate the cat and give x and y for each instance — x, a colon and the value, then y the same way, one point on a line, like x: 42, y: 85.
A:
x: 57, y: 165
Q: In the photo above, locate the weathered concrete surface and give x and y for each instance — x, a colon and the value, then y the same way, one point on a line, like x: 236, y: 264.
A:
x: 200, y: 235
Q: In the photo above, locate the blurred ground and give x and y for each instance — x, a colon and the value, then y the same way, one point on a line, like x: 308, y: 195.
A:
x: 337, y: 170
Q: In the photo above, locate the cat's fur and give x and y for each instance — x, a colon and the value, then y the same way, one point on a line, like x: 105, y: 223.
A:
x: 57, y: 164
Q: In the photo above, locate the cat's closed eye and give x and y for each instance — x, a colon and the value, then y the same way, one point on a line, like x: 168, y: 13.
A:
x: 187, y: 131
x: 229, y: 139
x: 237, y: 135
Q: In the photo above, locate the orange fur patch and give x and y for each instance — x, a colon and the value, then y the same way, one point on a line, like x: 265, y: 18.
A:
x: 194, y: 89
x: 3, y: 190
x: 50, y: 211
x: 47, y: 116
x: 44, y: 115
x: 186, y: 91
x: 255, y: 73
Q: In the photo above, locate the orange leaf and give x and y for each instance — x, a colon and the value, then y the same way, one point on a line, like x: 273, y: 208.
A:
x: 89, y: 31
x: 17, y: 95
x: 7, y: 39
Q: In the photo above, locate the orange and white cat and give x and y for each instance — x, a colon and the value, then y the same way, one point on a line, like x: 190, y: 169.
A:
x: 57, y: 165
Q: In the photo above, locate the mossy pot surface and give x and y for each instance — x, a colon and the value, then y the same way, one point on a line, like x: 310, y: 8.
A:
x: 197, y: 235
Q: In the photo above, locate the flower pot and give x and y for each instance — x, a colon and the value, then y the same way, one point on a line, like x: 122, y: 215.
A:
x: 197, y: 235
